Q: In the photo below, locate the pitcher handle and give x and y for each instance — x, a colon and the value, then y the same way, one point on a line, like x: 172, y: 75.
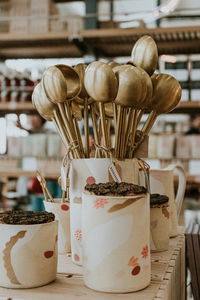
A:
x: 181, y: 185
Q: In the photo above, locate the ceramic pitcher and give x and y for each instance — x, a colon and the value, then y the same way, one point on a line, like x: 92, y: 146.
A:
x: 162, y: 182
x: 93, y: 170
x: 116, y: 256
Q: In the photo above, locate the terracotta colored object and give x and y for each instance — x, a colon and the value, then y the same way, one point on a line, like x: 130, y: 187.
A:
x: 62, y: 214
x: 116, y: 256
x: 28, y: 254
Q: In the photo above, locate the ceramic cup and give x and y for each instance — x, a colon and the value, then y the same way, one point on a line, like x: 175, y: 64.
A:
x: 159, y: 227
x: 93, y: 170
x: 62, y: 214
x: 28, y: 254
x: 116, y: 256
x: 162, y: 182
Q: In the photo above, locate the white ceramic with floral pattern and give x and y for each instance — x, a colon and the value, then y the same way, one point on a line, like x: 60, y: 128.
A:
x: 93, y: 170
x: 162, y: 182
x: 159, y: 227
x: 116, y: 256
x: 28, y: 254
x: 62, y: 214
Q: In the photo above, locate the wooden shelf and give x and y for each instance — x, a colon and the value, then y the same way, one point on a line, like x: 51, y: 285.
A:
x: 18, y: 173
x: 69, y: 281
x: 54, y: 175
x: 188, y: 107
x: 109, y: 42
x: 13, y: 107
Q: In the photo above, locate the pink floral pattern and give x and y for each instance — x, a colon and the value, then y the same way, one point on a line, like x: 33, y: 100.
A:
x: 100, y: 202
x: 145, y: 252
x: 90, y: 180
x: 78, y: 234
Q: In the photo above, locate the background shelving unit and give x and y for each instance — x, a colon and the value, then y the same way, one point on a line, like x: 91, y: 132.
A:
x: 107, y: 43
x: 93, y: 39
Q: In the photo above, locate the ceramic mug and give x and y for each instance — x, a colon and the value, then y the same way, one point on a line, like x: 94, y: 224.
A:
x: 93, y: 170
x: 28, y: 254
x: 159, y: 227
x: 162, y: 182
x: 62, y: 214
x: 116, y: 256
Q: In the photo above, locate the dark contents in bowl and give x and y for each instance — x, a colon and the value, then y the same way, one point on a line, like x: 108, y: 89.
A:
x: 26, y: 217
x: 157, y: 200
x: 115, y: 189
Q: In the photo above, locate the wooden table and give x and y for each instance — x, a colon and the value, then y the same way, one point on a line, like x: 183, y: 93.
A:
x: 167, y: 280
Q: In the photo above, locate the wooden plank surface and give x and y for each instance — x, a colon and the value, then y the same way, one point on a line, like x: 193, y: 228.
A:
x: 109, y: 42
x: 167, y: 279
x: 18, y: 173
x: 73, y: 288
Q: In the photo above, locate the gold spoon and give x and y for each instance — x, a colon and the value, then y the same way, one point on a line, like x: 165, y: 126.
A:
x: 109, y: 115
x: 131, y: 93
x: 56, y: 82
x: 102, y: 85
x: 76, y: 112
x: 83, y: 95
x: 145, y: 54
x: 49, y: 111
x: 141, y: 106
x: 166, y: 96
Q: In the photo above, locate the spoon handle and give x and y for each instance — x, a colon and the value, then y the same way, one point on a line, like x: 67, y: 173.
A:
x: 60, y: 131
x: 69, y: 116
x: 140, y: 114
x: 108, y: 132
x: 103, y: 125
x: 86, y: 127
x: 119, y: 124
x: 123, y: 130
x: 39, y: 178
x: 128, y: 129
x: 68, y: 127
x: 115, y: 117
x: 78, y: 135
x: 134, y: 128
x: 95, y: 128
x: 149, y: 122
x: 42, y: 181
x: 59, y: 122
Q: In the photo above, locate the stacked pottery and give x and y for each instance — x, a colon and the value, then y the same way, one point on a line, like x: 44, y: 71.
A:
x: 116, y: 253
x: 159, y: 222
x: 28, y: 249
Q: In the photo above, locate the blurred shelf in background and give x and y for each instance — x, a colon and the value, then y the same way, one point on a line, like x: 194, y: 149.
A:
x: 188, y: 107
x: 18, y: 173
x: 14, y: 107
x: 109, y: 42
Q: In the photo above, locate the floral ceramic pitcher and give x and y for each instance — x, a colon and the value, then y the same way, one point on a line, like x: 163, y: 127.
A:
x: 162, y: 182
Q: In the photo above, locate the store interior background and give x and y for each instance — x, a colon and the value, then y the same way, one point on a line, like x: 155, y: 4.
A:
x: 37, y: 34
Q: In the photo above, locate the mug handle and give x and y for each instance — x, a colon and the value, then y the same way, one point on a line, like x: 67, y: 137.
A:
x: 181, y: 185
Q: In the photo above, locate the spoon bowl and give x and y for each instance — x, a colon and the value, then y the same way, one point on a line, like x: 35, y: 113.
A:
x: 145, y: 54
